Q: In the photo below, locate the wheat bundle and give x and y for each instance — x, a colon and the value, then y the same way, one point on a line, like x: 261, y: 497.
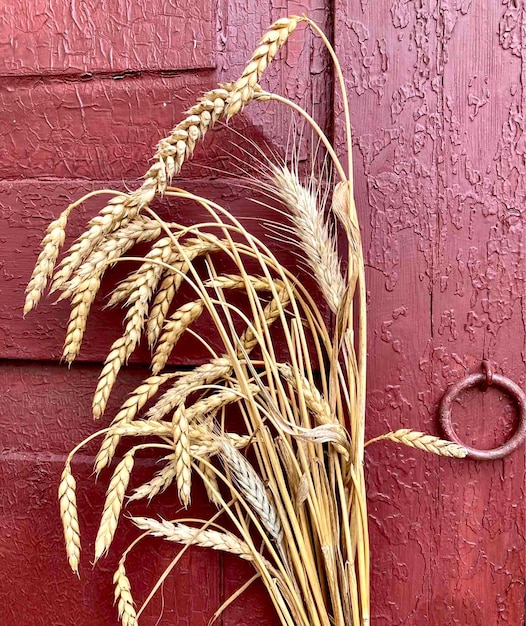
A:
x: 289, y: 483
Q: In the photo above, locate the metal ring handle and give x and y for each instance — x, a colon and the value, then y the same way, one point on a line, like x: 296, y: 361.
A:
x: 474, y: 380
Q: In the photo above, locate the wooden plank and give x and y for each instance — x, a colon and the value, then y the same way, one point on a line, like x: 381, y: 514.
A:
x: 98, y: 129
x: 477, y: 313
x: 390, y: 79
x: 52, y: 37
x: 439, y: 176
x: 40, y: 427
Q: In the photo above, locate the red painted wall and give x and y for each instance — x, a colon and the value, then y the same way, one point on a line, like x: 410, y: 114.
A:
x: 437, y: 99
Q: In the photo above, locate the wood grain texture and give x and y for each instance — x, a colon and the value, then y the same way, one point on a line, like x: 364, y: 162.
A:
x: 437, y: 91
x: 43, y: 37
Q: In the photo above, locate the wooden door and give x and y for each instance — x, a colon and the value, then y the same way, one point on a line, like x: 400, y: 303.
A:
x: 438, y: 98
x: 437, y: 105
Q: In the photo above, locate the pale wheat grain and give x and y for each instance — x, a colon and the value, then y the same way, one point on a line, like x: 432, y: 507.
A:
x: 128, y: 411
x: 113, y: 505
x: 50, y: 246
x: 69, y: 515
x: 173, y: 330
x: 429, y: 443
x: 123, y: 597
x: 268, y: 46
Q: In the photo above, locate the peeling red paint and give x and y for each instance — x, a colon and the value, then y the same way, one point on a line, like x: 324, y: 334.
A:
x: 440, y: 174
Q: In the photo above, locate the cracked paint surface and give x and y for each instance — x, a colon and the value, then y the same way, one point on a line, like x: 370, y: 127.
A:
x: 438, y: 91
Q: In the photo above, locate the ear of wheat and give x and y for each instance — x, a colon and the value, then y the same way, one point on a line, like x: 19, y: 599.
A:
x: 289, y: 482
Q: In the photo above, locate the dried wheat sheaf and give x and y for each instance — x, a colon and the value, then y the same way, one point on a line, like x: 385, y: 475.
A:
x: 286, y: 474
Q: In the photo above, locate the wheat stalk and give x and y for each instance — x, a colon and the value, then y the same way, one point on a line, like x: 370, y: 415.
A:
x: 173, y: 330
x: 86, y: 283
x: 252, y: 489
x: 70, y: 521
x: 235, y: 281
x: 126, y: 414
x: 139, y: 230
x: 188, y: 382
x: 316, y: 240
x: 192, y: 248
x: 50, y: 246
x: 113, y: 505
x: 182, y: 457
x: 268, y: 46
x: 249, y: 340
x: 123, y: 597
x: 212, y: 403
x: 159, y: 483
x: 123, y: 347
x: 118, y: 212
x: 169, y: 158
x: 206, y: 538
x: 422, y: 441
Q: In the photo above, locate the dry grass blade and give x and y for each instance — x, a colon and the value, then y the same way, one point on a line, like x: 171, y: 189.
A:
x: 429, y: 443
x: 123, y: 597
x: 173, y: 330
x: 252, y: 489
x: 315, y: 238
x: 50, y: 246
x: 113, y: 505
x: 183, y: 459
x: 70, y: 521
x: 126, y: 414
x: 269, y: 45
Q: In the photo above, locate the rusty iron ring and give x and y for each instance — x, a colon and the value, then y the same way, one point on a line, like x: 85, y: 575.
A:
x: 484, y: 380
